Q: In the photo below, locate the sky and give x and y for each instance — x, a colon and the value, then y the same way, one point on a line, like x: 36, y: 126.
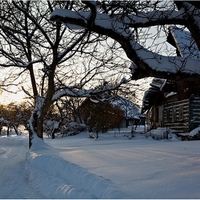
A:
x: 154, y: 61
x: 7, y: 98
x: 17, y: 95
x: 108, y: 168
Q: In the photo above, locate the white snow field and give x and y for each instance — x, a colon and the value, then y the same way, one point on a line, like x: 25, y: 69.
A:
x: 109, y: 167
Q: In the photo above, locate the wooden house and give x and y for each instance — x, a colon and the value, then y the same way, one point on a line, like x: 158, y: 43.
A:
x: 175, y: 104
x: 178, y: 109
x: 131, y: 113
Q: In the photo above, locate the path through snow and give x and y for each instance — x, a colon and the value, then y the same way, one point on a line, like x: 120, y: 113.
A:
x: 14, y: 178
x: 110, y: 167
x: 42, y: 173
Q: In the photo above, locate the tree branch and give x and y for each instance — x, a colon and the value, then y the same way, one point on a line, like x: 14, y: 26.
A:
x: 71, y: 92
x: 35, y: 22
x: 147, y: 63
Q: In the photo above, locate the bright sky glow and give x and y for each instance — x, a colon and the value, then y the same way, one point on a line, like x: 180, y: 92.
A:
x: 106, y: 22
x: 6, y: 97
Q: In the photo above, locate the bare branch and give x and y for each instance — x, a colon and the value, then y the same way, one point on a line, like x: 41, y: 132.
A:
x: 71, y: 92
x: 118, y: 27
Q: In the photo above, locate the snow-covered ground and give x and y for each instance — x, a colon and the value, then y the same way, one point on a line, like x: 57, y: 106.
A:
x: 109, y: 167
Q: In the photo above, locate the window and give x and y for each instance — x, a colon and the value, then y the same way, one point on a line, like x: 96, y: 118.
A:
x: 173, y: 114
x: 167, y: 115
x: 180, y: 112
x: 157, y: 114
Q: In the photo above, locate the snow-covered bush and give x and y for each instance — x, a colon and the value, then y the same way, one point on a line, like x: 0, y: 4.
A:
x: 193, y: 135
x: 93, y: 135
x: 9, y: 126
x: 73, y: 128
x: 50, y: 127
x: 160, y: 133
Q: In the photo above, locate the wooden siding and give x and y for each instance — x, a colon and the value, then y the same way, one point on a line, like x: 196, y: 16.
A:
x: 176, y: 115
x: 186, y: 88
x: 194, y: 112
x: 182, y: 115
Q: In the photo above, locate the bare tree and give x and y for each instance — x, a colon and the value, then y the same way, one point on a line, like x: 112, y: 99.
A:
x: 43, y: 49
x: 122, y: 21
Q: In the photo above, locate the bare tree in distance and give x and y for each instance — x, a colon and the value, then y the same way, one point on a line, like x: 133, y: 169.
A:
x: 122, y: 21
x: 43, y: 50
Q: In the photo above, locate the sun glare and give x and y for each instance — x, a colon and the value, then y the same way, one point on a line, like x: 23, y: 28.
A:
x: 6, y: 97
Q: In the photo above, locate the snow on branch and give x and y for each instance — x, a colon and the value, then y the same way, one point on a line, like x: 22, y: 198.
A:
x: 147, y: 63
x: 157, y: 17
x: 17, y: 62
x: 142, y: 19
x: 81, y: 19
x: 73, y: 92
x: 171, y: 64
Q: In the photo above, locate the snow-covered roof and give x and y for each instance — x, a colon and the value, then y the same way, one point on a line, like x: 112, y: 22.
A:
x: 184, y: 43
x: 154, y: 95
x: 186, y: 47
x: 131, y: 111
x: 171, y: 94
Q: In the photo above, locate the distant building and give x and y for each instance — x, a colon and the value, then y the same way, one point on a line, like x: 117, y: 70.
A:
x: 132, y: 114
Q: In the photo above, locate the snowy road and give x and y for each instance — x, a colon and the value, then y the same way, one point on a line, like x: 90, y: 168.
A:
x: 108, y: 168
x: 142, y: 168
x: 14, y: 180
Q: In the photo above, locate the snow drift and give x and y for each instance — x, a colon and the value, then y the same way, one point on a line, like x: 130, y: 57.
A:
x: 63, y: 179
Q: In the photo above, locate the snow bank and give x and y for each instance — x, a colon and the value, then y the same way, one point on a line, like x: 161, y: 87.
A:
x: 14, y: 140
x: 195, y: 131
x: 160, y: 133
x: 66, y: 180
x: 76, y: 167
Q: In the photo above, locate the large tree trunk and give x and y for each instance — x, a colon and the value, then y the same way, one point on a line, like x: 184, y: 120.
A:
x: 32, y: 128
x: 36, y: 126
x: 40, y: 127
x: 42, y: 105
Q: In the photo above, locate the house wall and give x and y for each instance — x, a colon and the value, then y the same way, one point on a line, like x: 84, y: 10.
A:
x: 127, y: 122
x: 187, y: 87
x: 156, y: 117
x: 194, y: 112
x: 183, y: 115
x: 123, y: 124
x: 176, y: 115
